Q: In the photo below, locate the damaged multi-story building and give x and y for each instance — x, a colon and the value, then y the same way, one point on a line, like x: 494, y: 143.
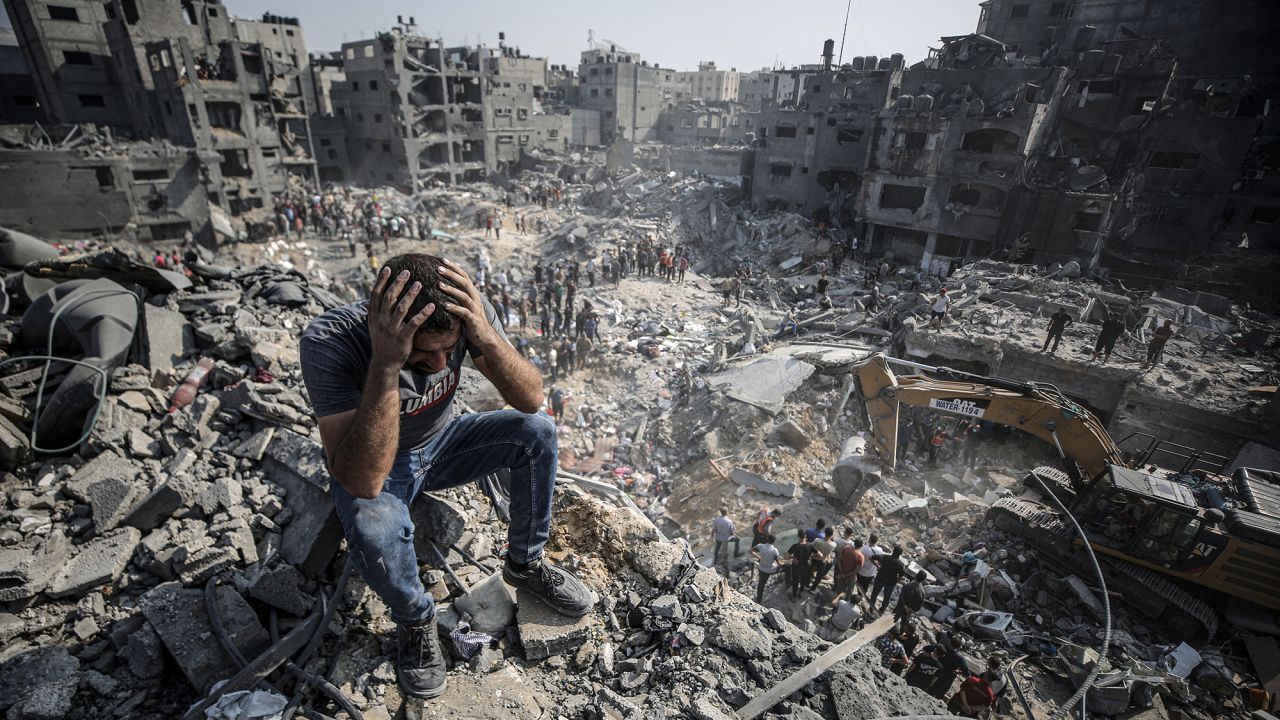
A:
x: 811, y: 159
x: 416, y: 111
x: 1172, y: 108
x: 183, y: 73
x: 1094, y: 130
x: 628, y: 93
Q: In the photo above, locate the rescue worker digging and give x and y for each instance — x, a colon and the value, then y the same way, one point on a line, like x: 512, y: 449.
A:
x: 381, y: 376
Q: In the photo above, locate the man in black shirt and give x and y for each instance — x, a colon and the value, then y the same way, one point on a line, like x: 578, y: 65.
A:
x: 798, y: 567
x: 925, y: 667
x: 891, y: 568
x: 953, y: 665
x: 1057, y: 323
x: 911, y: 599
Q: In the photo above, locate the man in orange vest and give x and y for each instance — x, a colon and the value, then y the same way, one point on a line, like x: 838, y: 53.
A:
x: 764, y: 525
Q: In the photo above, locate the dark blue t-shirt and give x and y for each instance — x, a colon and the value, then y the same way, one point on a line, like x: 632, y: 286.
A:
x: 335, y: 351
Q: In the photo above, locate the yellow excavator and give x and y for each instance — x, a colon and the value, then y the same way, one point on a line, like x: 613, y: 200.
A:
x: 1177, y: 519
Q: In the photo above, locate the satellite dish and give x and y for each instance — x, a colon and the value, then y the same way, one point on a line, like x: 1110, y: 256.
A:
x: 1087, y: 176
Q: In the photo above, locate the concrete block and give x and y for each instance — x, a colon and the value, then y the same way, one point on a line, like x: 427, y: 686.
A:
x: 98, y: 563
x: 166, y: 336
x: 490, y: 605
x: 792, y: 434
x: 255, y: 446
x: 181, y: 619
x: 230, y: 492
x: 159, y: 505
x: 39, y: 684
x: 202, y: 564
x: 281, y: 588
x: 311, y: 538
x: 27, y: 568
x: 105, y: 466
x: 144, y: 652
x: 436, y: 519
x: 754, y: 481
x: 545, y: 632
x: 111, y: 498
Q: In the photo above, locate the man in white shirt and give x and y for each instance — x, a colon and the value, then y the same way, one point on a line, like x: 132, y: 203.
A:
x: 867, y: 573
x: 767, y: 564
x: 844, y: 617
x: 939, y: 310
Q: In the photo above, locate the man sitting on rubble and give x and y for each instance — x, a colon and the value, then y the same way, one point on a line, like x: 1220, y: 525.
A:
x: 381, y: 376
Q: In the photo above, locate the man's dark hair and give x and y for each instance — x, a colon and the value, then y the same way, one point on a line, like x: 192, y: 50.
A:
x: 920, y: 576
x: 425, y: 269
x: 820, y: 524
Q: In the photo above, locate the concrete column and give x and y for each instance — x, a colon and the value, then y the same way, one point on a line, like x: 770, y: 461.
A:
x: 930, y: 246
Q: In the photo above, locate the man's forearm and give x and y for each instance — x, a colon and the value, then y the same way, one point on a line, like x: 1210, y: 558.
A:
x: 364, y: 457
x: 519, y: 383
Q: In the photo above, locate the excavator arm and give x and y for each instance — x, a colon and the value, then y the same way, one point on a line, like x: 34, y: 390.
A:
x: 1032, y: 408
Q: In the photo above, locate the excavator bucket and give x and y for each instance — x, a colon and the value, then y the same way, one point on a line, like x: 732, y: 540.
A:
x: 877, y: 386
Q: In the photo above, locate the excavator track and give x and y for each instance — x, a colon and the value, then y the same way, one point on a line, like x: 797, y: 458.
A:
x: 1147, y: 591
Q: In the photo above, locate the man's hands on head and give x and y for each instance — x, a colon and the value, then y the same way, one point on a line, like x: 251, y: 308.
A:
x: 468, y: 306
x: 390, y: 332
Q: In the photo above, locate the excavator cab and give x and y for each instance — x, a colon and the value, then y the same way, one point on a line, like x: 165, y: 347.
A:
x: 1154, y: 518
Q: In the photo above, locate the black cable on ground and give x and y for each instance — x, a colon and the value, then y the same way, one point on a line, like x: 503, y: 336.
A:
x: 219, y: 631
x: 327, y: 607
x: 1092, y: 677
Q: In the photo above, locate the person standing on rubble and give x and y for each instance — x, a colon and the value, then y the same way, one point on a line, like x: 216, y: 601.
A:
x: 911, y: 599
x: 1155, y: 348
x: 824, y: 551
x: 1057, y: 323
x: 953, y: 664
x: 1112, y: 329
x: 767, y: 564
x: 722, y: 534
x: 764, y: 524
x: 381, y: 375
x: 798, y: 556
x: 683, y: 264
x: 936, y: 443
x: 889, y: 569
x: 591, y: 271
x: 848, y: 559
x: 867, y: 573
x: 939, y: 310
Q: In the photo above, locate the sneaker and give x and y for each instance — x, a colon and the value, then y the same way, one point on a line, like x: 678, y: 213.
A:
x: 563, y: 592
x: 419, y: 662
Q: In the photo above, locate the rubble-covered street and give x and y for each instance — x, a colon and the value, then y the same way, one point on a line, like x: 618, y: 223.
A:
x: 976, y: 419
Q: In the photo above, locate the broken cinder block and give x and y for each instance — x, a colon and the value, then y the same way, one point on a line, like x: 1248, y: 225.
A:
x: 181, y: 619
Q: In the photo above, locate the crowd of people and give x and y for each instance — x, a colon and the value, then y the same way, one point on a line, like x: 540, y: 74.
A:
x: 866, y: 580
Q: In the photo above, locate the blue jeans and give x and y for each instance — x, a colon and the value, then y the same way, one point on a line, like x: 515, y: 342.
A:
x: 380, y: 533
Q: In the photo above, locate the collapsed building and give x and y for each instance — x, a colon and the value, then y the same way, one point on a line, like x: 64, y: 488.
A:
x: 188, y: 73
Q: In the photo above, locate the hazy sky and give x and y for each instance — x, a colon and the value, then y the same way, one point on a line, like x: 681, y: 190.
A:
x: 746, y: 34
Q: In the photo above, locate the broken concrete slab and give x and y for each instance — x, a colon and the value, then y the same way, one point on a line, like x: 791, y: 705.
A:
x: 166, y: 336
x: 746, y: 478
x: 159, y: 505
x: 39, y: 684
x: 545, y: 632
x: 311, y: 538
x: 765, y: 383
x: 437, y: 519
x: 737, y: 635
x: 490, y: 606
x: 855, y: 472
x: 27, y: 568
x: 181, y: 619
x: 110, y: 499
x: 99, y: 562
